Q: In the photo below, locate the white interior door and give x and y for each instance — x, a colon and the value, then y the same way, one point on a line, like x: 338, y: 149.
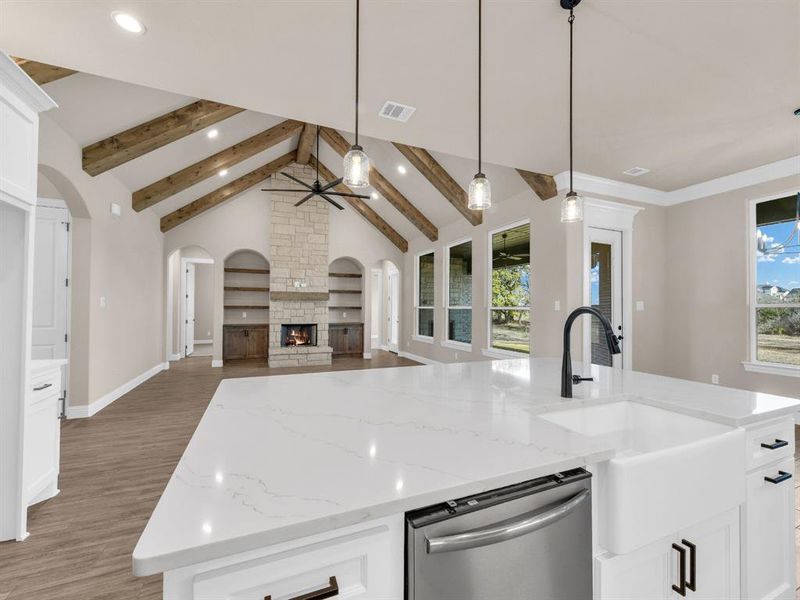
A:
x: 393, y: 303
x: 188, y: 323
x: 50, y: 283
x: 376, y: 305
x: 604, y: 247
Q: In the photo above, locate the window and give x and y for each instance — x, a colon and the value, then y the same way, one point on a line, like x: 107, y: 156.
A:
x: 425, y: 277
x: 775, y: 312
x: 509, y: 297
x: 458, y: 292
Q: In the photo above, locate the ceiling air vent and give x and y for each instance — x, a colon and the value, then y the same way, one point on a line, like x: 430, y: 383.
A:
x: 636, y: 171
x: 396, y: 111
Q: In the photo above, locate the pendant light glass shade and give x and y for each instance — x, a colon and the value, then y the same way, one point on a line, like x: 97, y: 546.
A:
x: 356, y: 168
x: 480, y: 193
x: 572, y: 208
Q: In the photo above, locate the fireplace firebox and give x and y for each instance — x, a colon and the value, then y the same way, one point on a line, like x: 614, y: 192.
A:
x: 304, y: 334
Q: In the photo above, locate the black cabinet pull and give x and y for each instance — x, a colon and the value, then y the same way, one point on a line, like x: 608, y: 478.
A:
x: 44, y: 386
x: 692, y: 583
x: 775, y: 445
x: 782, y: 476
x: 681, y: 587
x: 329, y: 591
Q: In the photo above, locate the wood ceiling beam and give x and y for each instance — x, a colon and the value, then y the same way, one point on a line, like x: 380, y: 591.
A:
x: 188, y: 176
x: 305, y: 143
x: 362, y: 208
x: 336, y: 141
x: 42, y: 73
x: 227, y: 191
x: 441, y: 180
x: 141, y: 139
x: 543, y: 185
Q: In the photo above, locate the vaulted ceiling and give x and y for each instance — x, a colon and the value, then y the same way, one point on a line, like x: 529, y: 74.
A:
x: 690, y: 90
x: 167, y: 148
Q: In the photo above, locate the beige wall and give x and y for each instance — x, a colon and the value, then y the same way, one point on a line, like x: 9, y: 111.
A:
x: 203, y: 301
x: 707, y: 301
x: 119, y: 258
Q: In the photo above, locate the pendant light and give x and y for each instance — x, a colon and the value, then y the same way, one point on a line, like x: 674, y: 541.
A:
x: 572, y: 203
x: 480, y: 190
x: 356, y: 162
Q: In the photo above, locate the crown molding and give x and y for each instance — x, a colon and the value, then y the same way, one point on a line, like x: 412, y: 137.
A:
x: 638, y: 193
x: 23, y: 86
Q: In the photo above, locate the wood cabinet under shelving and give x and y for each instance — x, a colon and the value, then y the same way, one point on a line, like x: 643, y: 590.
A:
x: 245, y: 341
x: 346, y: 339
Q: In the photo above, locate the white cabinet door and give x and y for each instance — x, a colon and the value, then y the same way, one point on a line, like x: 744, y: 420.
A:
x: 644, y: 574
x: 768, y: 534
x: 713, y: 551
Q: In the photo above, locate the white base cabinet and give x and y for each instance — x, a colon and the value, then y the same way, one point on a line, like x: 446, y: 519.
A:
x: 663, y: 570
x: 42, y: 432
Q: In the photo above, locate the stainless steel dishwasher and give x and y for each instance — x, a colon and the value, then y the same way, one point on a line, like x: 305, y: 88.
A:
x: 529, y: 541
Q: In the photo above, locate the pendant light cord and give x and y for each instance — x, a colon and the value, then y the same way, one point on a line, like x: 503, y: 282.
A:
x: 571, y: 21
x: 480, y: 81
x: 358, y: 29
x: 317, y: 161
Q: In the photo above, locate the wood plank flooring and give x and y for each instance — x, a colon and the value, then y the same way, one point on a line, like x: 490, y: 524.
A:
x: 114, y: 467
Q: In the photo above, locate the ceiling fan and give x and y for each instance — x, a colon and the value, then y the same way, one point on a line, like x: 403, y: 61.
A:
x: 506, y: 256
x: 316, y: 188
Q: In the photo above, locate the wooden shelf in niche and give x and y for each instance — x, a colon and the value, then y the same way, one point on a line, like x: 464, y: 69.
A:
x: 252, y: 306
x: 345, y: 291
x: 237, y: 270
x: 230, y: 288
x: 347, y: 275
x: 344, y: 308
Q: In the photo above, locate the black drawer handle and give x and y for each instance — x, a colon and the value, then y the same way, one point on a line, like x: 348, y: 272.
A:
x: 681, y: 587
x: 44, y: 386
x: 782, y: 476
x: 329, y: 591
x: 692, y: 583
x: 775, y: 445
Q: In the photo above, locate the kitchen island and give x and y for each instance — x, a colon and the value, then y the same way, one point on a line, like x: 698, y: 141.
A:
x: 288, y: 477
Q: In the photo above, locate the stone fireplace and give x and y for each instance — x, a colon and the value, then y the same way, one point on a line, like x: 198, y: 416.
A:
x: 298, y: 305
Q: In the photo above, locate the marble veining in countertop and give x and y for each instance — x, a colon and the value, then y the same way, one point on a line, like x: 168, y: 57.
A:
x: 281, y: 457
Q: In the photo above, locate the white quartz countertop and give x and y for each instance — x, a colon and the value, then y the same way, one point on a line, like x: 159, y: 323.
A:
x: 282, y: 457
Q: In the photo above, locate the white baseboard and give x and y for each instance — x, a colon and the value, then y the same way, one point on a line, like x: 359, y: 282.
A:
x: 203, y: 342
x: 174, y: 357
x: 421, y: 359
x: 82, y: 412
x: 216, y: 363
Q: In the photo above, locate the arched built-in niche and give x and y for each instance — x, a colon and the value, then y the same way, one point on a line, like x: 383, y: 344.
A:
x: 346, y: 311
x: 246, y: 306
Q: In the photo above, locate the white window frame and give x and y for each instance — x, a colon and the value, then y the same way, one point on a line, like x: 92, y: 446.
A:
x: 753, y: 364
x: 490, y: 350
x: 446, y: 342
x: 416, y: 336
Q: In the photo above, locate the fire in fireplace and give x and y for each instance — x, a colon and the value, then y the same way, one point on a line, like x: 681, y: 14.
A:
x: 299, y: 335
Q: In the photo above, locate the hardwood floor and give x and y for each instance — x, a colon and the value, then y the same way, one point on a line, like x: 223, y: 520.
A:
x: 114, y: 467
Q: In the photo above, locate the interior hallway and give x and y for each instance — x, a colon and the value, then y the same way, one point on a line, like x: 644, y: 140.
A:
x: 114, y: 467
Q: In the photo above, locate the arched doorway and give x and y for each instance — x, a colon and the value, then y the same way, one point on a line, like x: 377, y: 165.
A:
x: 190, y: 303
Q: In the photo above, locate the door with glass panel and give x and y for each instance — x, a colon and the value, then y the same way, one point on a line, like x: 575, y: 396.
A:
x: 605, y: 293
x: 510, y: 289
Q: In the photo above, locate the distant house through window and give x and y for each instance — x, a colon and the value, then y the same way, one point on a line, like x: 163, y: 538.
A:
x: 510, y: 295
x: 425, y: 296
x: 775, y: 312
x: 458, y: 292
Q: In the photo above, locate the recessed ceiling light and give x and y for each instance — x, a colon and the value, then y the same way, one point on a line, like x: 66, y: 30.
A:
x: 212, y: 133
x: 636, y: 171
x: 222, y: 172
x: 401, y: 169
x: 128, y: 22
x: 374, y: 195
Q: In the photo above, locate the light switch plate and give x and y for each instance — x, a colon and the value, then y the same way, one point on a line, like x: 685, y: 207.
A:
x: 244, y: 315
x: 103, y: 303
x: 557, y: 305
x: 639, y: 305
x: 715, y: 379
x: 116, y: 209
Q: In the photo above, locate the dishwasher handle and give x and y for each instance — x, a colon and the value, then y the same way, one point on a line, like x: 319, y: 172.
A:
x: 505, y: 531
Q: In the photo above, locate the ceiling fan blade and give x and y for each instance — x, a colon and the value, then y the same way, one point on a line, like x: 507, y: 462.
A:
x: 286, y: 190
x: 300, y: 181
x: 305, y: 199
x: 332, y: 184
x: 329, y: 199
x: 347, y: 195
